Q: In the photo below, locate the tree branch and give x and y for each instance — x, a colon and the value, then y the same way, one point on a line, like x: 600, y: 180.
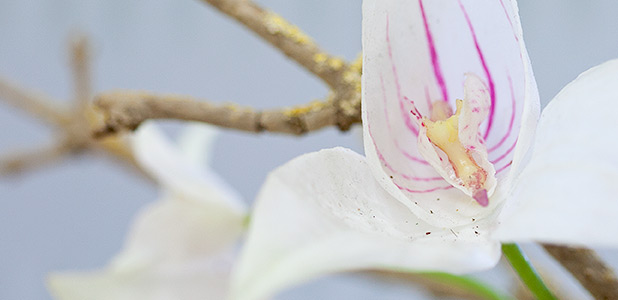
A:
x: 286, y: 37
x: 588, y: 268
x: 126, y: 110
x: 37, y: 105
x: 25, y: 160
x: 80, y: 67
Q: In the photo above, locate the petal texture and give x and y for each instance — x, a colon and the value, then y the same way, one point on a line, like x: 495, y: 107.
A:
x: 418, y: 52
x: 324, y: 212
x: 568, y: 193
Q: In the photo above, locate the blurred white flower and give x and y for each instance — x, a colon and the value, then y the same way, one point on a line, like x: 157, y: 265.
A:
x: 406, y: 205
x: 179, y: 247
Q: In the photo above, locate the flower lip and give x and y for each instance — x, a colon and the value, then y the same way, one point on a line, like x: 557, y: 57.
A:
x: 453, y: 145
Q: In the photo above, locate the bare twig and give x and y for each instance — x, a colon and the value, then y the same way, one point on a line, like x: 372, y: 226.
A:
x: 74, y: 129
x: 30, y: 159
x: 588, y: 268
x: 129, y: 109
x: 36, y: 104
x: 80, y: 66
x: 342, y: 78
x: 286, y: 37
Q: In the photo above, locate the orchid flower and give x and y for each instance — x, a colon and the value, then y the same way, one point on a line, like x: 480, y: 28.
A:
x: 179, y: 247
x: 456, y: 162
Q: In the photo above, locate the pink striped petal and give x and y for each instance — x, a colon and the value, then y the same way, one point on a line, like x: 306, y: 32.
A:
x: 418, y: 52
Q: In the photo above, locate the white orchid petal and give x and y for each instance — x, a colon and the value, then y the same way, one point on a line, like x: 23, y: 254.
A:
x: 174, y: 230
x: 568, y: 193
x: 176, y: 249
x: 179, y: 174
x: 200, y: 280
x: 324, y: 212
x: 180, y: 247
x: 417, y: 52
x: 196, y: 142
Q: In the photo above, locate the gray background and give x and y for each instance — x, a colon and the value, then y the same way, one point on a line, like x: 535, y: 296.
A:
x: 74, y: 215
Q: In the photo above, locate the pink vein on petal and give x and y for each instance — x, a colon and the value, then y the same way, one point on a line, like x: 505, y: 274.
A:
x: 434, y: 54
x: 390, y: 130
x: 509, y: 19
x: 410, y: 156
x: 504, y: 167
x: 501, y: 157
x: 404, y: 112
x: 403, y: 188
x: 513, y: 109
x: 390, y: 168
x: 492, y: 90
x: 428, y: 99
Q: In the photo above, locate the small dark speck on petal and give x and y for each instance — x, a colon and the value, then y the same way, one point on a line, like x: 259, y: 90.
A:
x: 415, y: 202
x: 428, y: 233
x: 476, y: 232
x: 438, y: 199
x: 374, y: 217
x: 391, y: 176
x: 417, y: 223
x: 473, y: 219
x: 431, y: 211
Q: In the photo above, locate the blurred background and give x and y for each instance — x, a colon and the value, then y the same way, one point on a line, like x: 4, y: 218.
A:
x: 74, y: 214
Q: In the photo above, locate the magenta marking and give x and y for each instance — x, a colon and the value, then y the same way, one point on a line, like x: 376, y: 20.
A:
x: 404, y: 113
x: 509, y: 19
x: 403, y: 188
x: 505, y: 153
x: 410, y: 156
x: 481, y: 197
x: 434, y: 54
x: 395, y: 172
x: 428, y: 99
x: 504, y: 167
x: 388, y: 122
x: 414, y: 110
x: 492, y: 90
x: 513, y: 109
x: 390, y: 130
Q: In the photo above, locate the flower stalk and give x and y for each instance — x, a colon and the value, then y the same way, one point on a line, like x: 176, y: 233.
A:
x: 526, y: 272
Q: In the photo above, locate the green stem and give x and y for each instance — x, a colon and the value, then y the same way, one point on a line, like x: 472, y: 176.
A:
x: 526, y: 272
x: 467, y: 283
